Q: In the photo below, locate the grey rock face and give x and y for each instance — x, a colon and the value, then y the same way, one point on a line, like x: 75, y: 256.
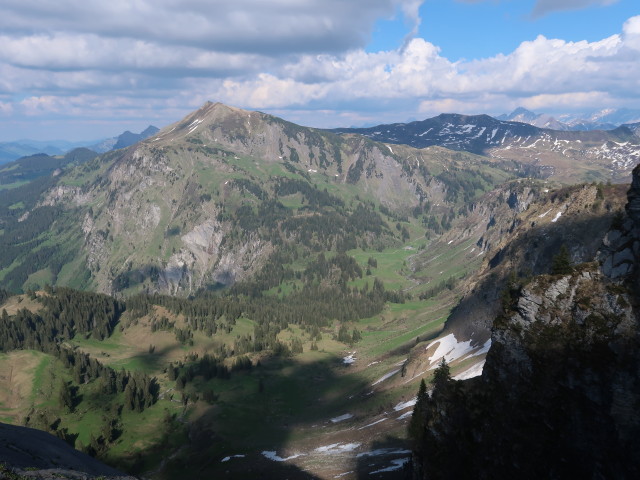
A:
x: 620, y: 251
x: 633, y: 196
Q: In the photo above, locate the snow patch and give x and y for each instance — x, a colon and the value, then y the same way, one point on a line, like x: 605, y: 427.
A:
x: 449, y: 242
x: 542, y: 215
x: 371, y: 424
x: 472, y: 372
x: 405, y: 415
x: 479, y: 133
x: 343, y: 474
x: 389, y: 147
x: 349, y: 359
x: 450, y: 349
x: 403, y: 405
x: 226, y: 459
x: 398, y: 463
x: 271, y: 455
x: 341, y: 418
x: 384, y: 377
x: 373, y: 363
x: 555, y: 219
x: 382, y: 452
x: 193, y: 125
x: 337, y: 448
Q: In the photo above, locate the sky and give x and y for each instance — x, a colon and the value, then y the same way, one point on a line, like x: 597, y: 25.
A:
x: 90, y: 69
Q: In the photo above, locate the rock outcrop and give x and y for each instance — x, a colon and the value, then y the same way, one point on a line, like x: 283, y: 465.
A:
x: 559, y: 396
x: 620, y: 252
x: 633, y: 207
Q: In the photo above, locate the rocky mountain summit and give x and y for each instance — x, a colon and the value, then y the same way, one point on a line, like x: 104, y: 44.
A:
x: 558, y: 397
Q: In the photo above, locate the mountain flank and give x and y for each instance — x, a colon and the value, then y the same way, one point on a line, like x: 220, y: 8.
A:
x: 208, y: 200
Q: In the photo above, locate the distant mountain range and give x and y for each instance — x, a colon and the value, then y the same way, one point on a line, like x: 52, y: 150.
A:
x: 26, y: 169
x: 10, y: 151
x: 607, y: 119
x: 594, y: 155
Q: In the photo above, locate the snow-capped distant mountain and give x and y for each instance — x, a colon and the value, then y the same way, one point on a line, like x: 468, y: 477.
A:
x: 542, y: 120
x: 472, y: 133
x: 634, y: 127
x: 563, y: 154
x: 606, y: 119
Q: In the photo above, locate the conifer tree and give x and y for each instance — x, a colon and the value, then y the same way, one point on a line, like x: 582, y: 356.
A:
x: 418, y: 419
x: 441, y: 377
x: 561, y: 263
x: 65, y: 396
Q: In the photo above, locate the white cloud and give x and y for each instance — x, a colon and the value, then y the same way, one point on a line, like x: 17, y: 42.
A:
x: 543, y: 72
x: 155, y: 61
x: 250, y: 26
x: 631, y: 33
x: 6, y: 108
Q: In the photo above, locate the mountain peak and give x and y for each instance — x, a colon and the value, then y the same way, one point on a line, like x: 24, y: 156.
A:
x: 522, y: 110
x: 128, y: 138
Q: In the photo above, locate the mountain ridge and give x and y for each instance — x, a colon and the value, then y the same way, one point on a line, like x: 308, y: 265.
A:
x: 568, y: 156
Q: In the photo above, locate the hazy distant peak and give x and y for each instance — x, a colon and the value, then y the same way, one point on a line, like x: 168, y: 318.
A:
x: 128, y: 138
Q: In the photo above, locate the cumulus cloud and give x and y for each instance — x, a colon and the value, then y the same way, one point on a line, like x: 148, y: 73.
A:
x: 249, y: 26
x: 152, y: 62
x: 542, y: 73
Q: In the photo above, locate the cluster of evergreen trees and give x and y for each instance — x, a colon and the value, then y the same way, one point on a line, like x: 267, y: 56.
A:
x: 81, y: 312
x: 323, y: 297
x: 65, y: 313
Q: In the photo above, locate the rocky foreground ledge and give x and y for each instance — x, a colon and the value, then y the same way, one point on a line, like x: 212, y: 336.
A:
x: 26, y: 453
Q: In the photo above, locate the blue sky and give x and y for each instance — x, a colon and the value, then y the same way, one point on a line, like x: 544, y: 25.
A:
x: 483, y: 29
x: 78, y: 69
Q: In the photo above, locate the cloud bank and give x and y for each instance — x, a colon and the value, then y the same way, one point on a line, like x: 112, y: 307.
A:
x: 97, y: 65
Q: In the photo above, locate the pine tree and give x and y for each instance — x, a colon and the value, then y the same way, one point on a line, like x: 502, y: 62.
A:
x: 419, y: 418
x: 356, y: 336
x: 441, y: 377
x: 561, y: 263
x: 65, y: 396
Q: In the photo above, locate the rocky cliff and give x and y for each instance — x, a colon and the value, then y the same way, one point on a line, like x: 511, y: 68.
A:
x: 520, y: 228
x: 560, y: 390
